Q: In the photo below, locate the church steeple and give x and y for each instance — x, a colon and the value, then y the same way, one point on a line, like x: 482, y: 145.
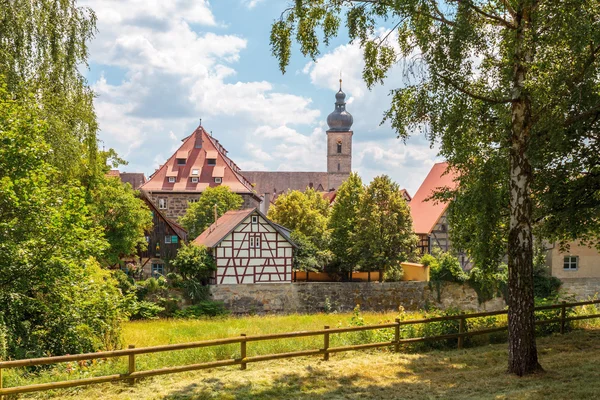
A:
x: 339, y: 142
x: 340, y: 120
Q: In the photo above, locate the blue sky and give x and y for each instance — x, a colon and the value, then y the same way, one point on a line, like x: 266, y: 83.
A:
x: 157, y: 67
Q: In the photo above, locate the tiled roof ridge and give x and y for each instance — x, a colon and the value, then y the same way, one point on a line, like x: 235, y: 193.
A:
x: 234, y: 167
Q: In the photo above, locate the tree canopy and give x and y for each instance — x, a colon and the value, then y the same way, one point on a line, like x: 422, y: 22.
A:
x: 306, y: 214
x: 200, y: 215
x: 383, y: 234
x: 511, y: 86
x: 342, y: 221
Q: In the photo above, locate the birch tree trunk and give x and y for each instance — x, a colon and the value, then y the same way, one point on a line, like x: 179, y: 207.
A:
x: 522, y: 351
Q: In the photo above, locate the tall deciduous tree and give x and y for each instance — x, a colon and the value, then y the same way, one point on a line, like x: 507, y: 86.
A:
x: 55, y: 298
x: 306, y: 214
x: 508, y: 82
x: 342, y: 222
x: 43, y: 45
x: 122, y: 215
x: 383, y: 234
x: 200, y: 215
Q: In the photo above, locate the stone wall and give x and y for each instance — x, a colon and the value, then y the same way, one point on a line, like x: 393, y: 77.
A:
x: 178, y: 203
x: 312, y: 297
x: 581, y: 288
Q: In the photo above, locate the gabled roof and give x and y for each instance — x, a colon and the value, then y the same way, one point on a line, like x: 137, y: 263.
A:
x: 218, y: 231
x: 135, y: 179
x: 425, y: 213
x: 196, y: 149
x: 178, y: 229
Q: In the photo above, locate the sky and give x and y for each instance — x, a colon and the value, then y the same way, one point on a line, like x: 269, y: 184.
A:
x: 158, y: 67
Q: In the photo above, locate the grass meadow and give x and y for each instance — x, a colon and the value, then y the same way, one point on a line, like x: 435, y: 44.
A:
x: 416, y: 372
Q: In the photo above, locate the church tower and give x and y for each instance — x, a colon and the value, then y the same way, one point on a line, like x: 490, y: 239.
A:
x: 339, y: 142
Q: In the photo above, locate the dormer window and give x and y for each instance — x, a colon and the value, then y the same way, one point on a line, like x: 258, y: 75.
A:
x: 194, y: 179
x: 181, y: 161
x: 211, y: 161
x: 218, y: 180
x: 171, y: 179
x: 195, y: 172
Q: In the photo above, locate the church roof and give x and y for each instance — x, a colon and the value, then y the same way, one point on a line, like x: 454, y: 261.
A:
x: 201, y: 157
x: 425, y: 213
x: 277, y: 182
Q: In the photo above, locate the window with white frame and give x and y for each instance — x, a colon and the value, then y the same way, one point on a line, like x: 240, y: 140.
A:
x: 158, y: 269
x: 162, y: 203
x: 218, y: 180
x: 171, y: 239
x: 194, y: 179
x: 255, y: 219
x: 171, y: 179
x: 192, y: 201
x: 571, y: 263
x: 251, y: 241
x: 195, y: 172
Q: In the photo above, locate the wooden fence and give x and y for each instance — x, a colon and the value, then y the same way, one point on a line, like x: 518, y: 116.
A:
x: 243, y: 341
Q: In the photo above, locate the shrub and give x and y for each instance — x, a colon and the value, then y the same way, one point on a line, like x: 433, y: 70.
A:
x: 393, y: 273
x: 489, y: 284
x: 3, y: 340
x: 145, y: 310
x: 194, y: 262
x: 203, y: 309
x: 195, y: 291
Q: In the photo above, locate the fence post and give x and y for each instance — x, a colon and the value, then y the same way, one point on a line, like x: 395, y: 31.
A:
x: 461, y: 329
x: 563, y: 314
x: 1, y: 396
x: 326, y: 345
x: 243, y: 351
x: 397, y: 336
x: 131, y: 365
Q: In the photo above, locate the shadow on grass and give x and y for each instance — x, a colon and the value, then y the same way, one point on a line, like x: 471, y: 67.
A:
x: 573, y: 365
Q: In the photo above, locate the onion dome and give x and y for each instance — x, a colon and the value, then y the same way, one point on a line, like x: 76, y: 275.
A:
x: 340, y: 120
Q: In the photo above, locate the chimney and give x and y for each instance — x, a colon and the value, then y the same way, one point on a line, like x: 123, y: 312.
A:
x: 266, y: 203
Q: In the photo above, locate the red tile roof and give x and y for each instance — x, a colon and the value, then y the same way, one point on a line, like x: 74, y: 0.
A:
x: 197, y: 148
x: 425, y: 213
x: 218, y: 231
x: 225, y: 224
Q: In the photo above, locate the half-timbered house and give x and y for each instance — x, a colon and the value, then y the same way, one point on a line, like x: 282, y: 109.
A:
x: 249, y: 248
x: 430, y: 216
x: 164, y: 240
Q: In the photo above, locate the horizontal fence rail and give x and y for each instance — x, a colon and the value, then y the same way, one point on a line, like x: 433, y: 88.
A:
x: 243, y: 340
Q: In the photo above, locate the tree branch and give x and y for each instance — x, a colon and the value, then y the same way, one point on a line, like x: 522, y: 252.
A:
x: 469, y: 93
x: 592, y: 112
x: 493, y: 17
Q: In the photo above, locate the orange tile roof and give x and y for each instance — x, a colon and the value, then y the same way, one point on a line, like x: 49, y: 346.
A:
x: 225, y: 224
x: 196, y: 159
x: 113, y: 172
x: 425, y: 214
x: 218, y: 231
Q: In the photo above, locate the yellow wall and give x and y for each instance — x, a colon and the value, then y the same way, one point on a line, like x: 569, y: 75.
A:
x: 415, y: 272
x: 589, y: 262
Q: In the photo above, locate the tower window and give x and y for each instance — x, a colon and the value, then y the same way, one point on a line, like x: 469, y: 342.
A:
x: 339, y: 148
x: 338, y: 166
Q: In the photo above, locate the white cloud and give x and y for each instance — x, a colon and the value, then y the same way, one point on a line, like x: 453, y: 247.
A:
x: 251, y: 3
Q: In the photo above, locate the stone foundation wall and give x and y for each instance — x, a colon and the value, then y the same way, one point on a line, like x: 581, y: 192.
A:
x: 581, y: 288
x: 311, y: 297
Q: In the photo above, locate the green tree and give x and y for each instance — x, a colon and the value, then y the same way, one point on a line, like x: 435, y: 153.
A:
x: 513, y: 83
x: 383, y: 235
x: 122, y: 215
x: 306, y: 215
x: 200, y: 215
x: 342, y: 222
x: 194, y: 262
x: 55, y: 298
x: 43, y: 49
x: 305, y: 212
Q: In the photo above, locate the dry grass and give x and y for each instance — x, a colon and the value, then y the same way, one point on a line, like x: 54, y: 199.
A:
x: 572, y: 364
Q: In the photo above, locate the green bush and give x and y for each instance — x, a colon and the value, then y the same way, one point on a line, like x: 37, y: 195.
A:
x: 203, y: 309
x: 394, y: 273
x: 195, y: 291
x: 145, y: 310
x: 3, y: 340
x: 489, y: 284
